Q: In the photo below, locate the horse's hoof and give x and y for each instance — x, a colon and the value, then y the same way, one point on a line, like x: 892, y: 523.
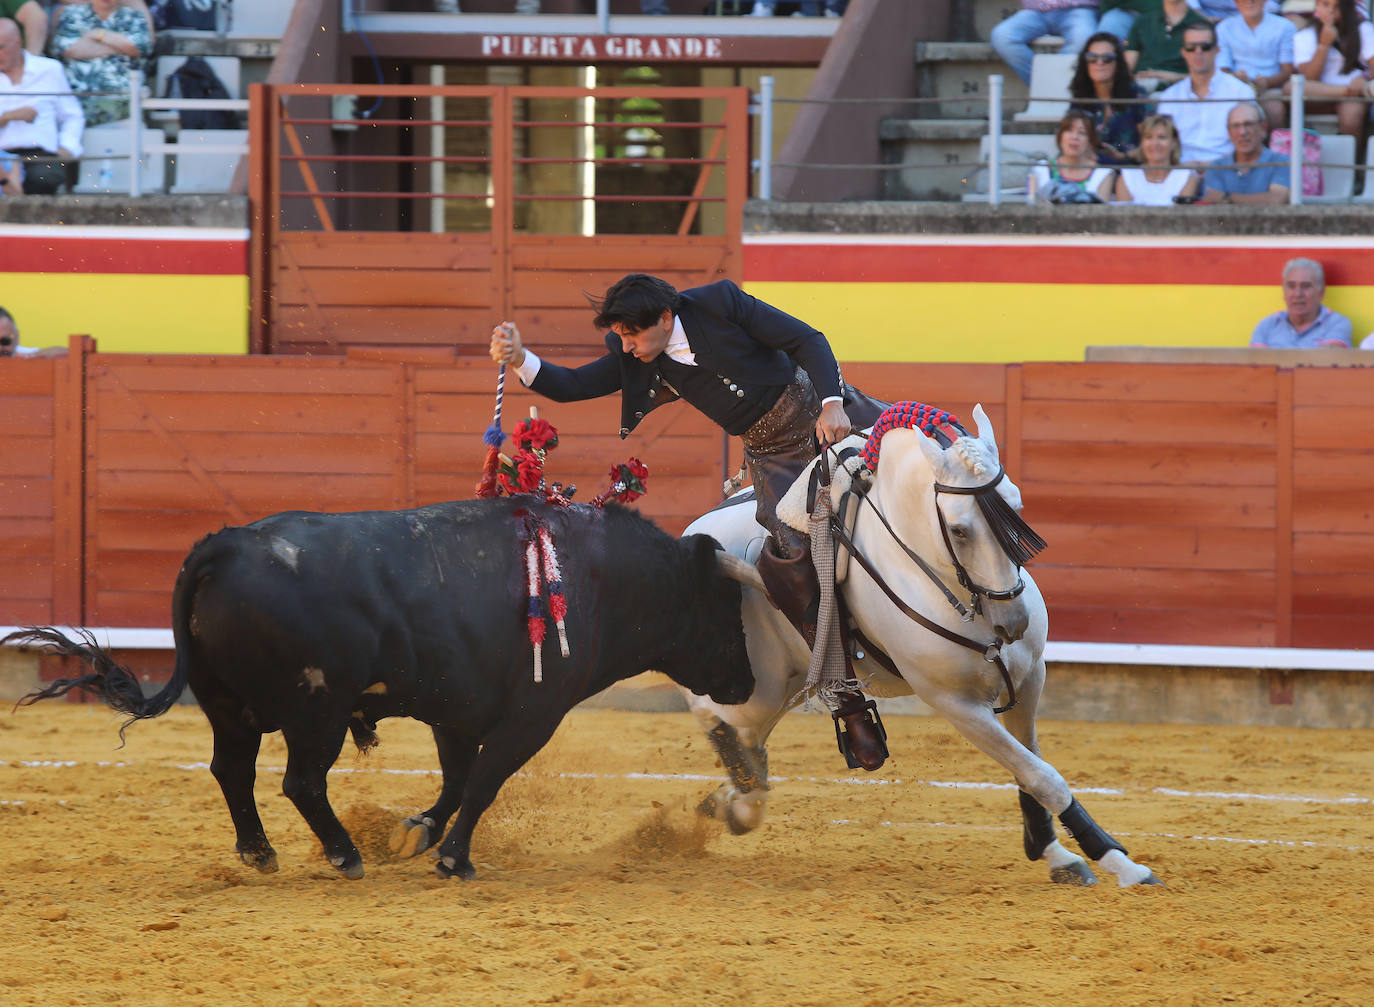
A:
x: 745, y: 813
x: 716, y: 803
x: 410, y: 837
x: 349, y: 867
x: 1149, y: 879
x: 1076, y: 873
x: 448, y: 867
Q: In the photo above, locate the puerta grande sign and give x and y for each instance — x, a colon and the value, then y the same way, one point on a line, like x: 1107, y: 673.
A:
x: 593, y: 48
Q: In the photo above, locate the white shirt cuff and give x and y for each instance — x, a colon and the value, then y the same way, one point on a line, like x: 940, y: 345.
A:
x: 832, y: 398
x: 529, y: 368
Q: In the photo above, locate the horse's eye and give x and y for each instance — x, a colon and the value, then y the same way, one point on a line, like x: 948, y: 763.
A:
x: 958, y: 531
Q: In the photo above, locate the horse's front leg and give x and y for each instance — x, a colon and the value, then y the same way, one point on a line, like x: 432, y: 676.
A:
x: 976, y: 721
x: 1037, y: 824
x: 742, y: 801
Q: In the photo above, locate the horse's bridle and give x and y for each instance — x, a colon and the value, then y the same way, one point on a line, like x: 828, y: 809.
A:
x: 975, y: 589
x: 991, y: 652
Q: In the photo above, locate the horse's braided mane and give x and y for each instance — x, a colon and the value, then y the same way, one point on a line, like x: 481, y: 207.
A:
x: 940, y: 424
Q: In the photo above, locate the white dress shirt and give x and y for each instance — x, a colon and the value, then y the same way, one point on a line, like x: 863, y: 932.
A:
x: 43, y: 86
x: 1202, y: 124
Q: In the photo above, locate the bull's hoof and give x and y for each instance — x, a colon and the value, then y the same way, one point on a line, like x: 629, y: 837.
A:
x: 411, y: 836
x: 263, y: 860
x: 350, y: 867
x: 451, y: 867
x: 1076, y: 873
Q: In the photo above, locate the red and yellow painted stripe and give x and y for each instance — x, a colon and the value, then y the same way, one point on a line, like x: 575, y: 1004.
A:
x: 135, y: 289
x: 916, y: 298
x: 1005, y: 299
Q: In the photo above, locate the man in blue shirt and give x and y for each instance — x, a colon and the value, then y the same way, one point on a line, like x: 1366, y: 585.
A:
x: 1257, y: 47
x: 1306, y: 323
x: 1253, y: 173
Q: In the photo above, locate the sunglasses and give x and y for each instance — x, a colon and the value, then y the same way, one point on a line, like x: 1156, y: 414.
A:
x: 1100, y: 57
x: 1195, y: 46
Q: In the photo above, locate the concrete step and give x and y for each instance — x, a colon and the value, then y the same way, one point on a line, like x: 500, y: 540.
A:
x: 960, y: 71
x: 942, y: 155
x: 975, y: 19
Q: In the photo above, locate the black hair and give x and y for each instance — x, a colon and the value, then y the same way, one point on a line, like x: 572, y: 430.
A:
x: 1122, y: 84
x: 6, y: 316
x: 1348, y: 37
x: 636, y: 301
x: 1203, y: 25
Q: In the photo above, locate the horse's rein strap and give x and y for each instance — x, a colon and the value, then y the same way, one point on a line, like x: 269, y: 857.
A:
x: 992, y: 653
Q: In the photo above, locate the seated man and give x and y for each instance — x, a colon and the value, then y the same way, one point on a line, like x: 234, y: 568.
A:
x: 1154, y: 44
x: 1253, y: 173
x: 1257, y: 48
x: 10, y: 345
x: 40, y: 119
x: 1073, y: 20
x: 1306, y: 323
x: 1200, y: 103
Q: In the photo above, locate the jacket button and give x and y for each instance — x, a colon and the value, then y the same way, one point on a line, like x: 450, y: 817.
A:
x: 740, y: 393
x: 624, y: 431
x: 653, y: 392
x: 734, y: 388
x: 639, y: 416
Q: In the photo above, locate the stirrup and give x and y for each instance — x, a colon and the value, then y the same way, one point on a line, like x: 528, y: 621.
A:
x: 869, y: 712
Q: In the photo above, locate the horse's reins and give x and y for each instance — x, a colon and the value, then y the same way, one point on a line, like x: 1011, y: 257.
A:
x: 991, y: 652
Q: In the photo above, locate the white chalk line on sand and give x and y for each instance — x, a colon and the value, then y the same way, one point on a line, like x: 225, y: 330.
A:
x: 867, y: 781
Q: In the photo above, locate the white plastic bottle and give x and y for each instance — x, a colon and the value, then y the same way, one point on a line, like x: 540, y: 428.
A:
x: 106, y: 182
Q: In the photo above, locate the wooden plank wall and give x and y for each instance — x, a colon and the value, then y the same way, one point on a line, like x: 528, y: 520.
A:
x: 27, y: 404
x: 180, y: 446
x: 1204, y: 504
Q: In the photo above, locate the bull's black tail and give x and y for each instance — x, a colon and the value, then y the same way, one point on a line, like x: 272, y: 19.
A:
x: 114, y: 684
x: 108, y: 680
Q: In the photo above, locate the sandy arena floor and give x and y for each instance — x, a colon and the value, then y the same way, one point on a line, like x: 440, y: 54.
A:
x: 597, y: 885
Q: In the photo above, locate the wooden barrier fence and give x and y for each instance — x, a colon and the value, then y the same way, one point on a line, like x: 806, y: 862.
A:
x: 1185, y: 504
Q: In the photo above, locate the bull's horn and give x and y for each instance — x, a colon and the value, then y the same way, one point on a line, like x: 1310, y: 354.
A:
x: 737, y: 569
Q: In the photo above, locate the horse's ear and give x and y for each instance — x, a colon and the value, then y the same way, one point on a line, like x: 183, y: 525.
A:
x: 984, y: 427
x: 930, y: 447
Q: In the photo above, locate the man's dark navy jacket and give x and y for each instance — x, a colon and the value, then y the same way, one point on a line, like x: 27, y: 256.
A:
x: 730, y: 332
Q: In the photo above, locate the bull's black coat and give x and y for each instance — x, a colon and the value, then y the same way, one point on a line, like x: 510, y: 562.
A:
x: 312, y: 623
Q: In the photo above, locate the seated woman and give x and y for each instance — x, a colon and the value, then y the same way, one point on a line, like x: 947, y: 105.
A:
x: 1159, y: 179
x: 1335, y: 55
x: 1100, y: 86
x: 1074, y: 176
x: 99, y: 43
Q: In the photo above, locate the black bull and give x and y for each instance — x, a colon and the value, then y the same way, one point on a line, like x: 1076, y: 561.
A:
x: 313, y: 624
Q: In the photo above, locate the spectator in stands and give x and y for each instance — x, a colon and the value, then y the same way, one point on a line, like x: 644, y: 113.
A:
x: 1200, y: 103
x: 40, y: 119
x: 534, y: 6
x: 32, y: 20
x: 1075, y: 175
x: 1257, y: 47
x: 10, y: 345
x: 11, y: 175
x: 1154, y: 45
x: 1159, y: 179
x: 1117, y: 16
x: 100, y: 42
x: 1073, y: 20
x: 1306, y: 323
x: 1251, y: 173
x: 1335, y: 55
x: 1101, y: 80
x: 809, y: 8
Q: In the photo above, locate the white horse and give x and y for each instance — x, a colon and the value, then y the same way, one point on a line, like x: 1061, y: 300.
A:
x: 938, y: 507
